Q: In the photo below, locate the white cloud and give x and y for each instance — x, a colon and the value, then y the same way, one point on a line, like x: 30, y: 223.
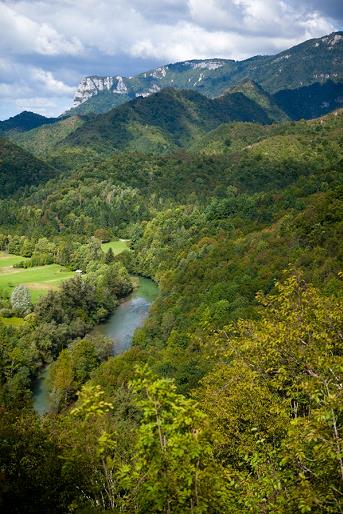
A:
x: 22, y: 35
x: 47, y: 81
x: 46, y: 106
x: 25, y: 87
x: 119, y: 26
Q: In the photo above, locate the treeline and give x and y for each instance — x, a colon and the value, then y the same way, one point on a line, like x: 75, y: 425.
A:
x: 74, y: 253
x: 125, y: 189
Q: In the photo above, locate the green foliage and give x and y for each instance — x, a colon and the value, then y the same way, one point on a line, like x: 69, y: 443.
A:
x: 236, y: 404
x: 73, y: 368
x: 174, y: 462
x: 310, y: 101
x: 31, y: 478
x: 163, y: 121
x: 103, y: 235
x: 44, y: 139
x: 24, y: 122
x: 280, y: 411
x: 19, y: 169
x: 257, y: 94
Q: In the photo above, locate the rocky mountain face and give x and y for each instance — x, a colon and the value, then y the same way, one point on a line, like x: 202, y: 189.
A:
x: 314, y: 61
x: 91, y: 86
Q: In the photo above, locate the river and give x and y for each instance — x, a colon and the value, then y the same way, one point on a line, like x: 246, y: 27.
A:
x: 129, y: 315
x: 120, y: 327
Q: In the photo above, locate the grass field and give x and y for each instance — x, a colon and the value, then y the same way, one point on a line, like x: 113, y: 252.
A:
x: 39, y: 280
x: 117, y: 246
x: 8, y: 260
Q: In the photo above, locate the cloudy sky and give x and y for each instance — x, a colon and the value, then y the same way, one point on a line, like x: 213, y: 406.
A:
x: 46, y: 46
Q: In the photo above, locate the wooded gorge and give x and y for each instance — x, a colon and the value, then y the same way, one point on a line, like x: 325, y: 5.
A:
x: 230, y: 397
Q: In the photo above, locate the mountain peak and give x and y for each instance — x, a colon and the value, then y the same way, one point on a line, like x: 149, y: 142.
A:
x: 26, y: 120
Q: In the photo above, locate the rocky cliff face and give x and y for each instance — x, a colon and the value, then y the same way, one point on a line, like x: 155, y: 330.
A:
x: 316, y: 60
x: 91, y: 86
x: 147, y: 83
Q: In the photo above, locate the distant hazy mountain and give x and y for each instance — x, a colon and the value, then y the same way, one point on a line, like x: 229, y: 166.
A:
x: 316, y: 60
x: 25, y: 121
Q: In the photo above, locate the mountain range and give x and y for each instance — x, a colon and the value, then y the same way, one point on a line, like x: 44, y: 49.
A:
x: 316, y: 60
x: 164, y: 121
x: 178, y: 105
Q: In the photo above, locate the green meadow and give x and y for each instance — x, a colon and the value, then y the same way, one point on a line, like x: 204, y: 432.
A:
x: 13, y: 322
x: 8, y: 260
x: 117, y: 246
x: 39, y: 279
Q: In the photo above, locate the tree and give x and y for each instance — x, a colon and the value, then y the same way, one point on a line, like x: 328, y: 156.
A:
x: 21, y: 300
x: 102, y: 234
x: 173, y: 465
x: 109, y: 257
x: 276, y: 397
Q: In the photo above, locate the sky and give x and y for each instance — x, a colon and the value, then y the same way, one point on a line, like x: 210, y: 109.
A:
x: 46, y: 46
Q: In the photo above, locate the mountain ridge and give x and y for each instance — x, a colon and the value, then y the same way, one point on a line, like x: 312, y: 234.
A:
x: 25, y: 121
x: 301, y: 65
x: 20, y: 169
x: 168, y: 119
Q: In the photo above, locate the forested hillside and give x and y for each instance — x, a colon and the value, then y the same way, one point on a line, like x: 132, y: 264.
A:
x: 164, y: 121
x: 229, y: 399
x: 24, y: 122
x: 19, y: 169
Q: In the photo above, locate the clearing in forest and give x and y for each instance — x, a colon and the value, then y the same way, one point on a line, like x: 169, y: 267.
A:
x: 39, y: 279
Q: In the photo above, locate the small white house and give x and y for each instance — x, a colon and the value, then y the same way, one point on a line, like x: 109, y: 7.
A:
x: 78, y: 272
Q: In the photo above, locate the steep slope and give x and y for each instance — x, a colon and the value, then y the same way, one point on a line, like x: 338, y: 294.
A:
x: 316, y: 60
x: 310, y: 101
x: 19, y: 169
x: 257, y: 94
x: 44, y: 139
x: 123, y: 189
x: 231, y: 138
x: 163, y: 121
x: 24, y: 121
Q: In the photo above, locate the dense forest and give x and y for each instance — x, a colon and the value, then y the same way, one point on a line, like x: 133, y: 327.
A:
x: 230, y: 397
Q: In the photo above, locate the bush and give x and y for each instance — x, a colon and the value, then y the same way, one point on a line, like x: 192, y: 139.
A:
x: 36, y: 260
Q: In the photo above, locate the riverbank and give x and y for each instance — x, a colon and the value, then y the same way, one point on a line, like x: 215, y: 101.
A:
x: 120, y: 327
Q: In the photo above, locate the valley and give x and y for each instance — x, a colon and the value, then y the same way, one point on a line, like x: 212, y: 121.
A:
x: 171, y: 292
